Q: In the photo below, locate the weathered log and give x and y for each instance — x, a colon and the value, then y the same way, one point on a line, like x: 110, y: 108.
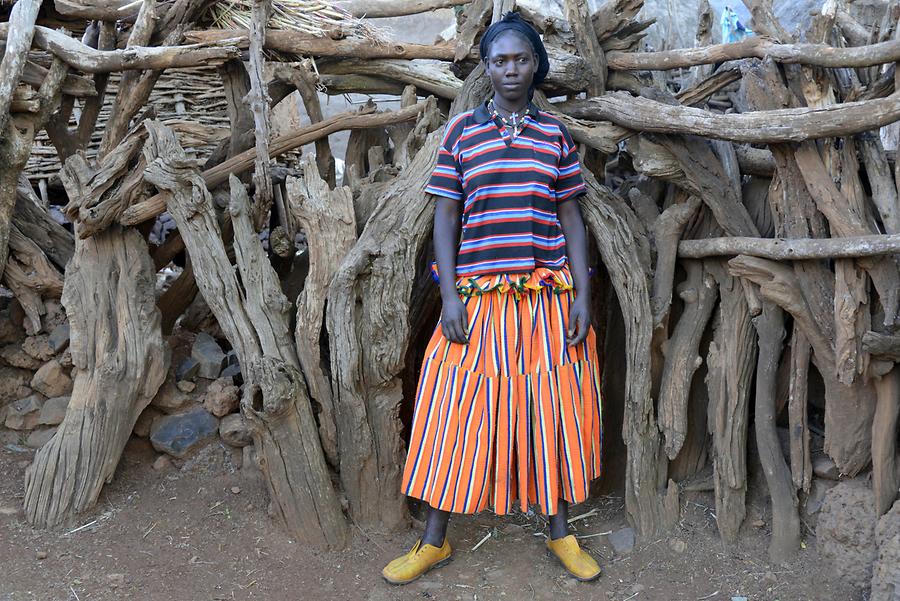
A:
x: 783, y: 249
x: 819, y: 55
x: 758, y: 127
x: 706, y: 87
x: 785, y: 539
x: 216, y: 175
x: 293, y: 42
x: 884, y: 188
x: 118, y: 353
x: 667, y: 229
x: 798, y: 393
x: 368, y: 336
x: 699, y: 293
x: 257, y: 101
x: 31, y: 277
x: 731, y: 360
x: 430, y: 75
x: 305, y: 81
x: 254, y: 317
x: 852, y: 319
x: 21, y: 23
x: 651, y: 503
x: 885, y: 479
x: 36, y: 224
x: 90, y: 60
x: 848, y: 409
x: 73, y: 85
x: 883, y: 346
x: 613, y: 15
x: 587, y: 45
x: 326, y: 217
x: 394, y: 8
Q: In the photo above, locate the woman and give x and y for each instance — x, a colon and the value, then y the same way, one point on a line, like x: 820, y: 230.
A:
x: 508, y: 403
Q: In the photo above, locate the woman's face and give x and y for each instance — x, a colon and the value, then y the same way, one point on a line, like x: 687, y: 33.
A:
x: 511, y: 64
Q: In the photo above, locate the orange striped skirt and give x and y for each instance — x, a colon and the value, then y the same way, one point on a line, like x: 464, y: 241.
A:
x: 513, y: 414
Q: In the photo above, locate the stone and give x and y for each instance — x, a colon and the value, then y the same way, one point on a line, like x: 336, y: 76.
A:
x: 10, y: 331
x: 65, y: 358
x: 59, y: 338
x: 207, y: 352
x: 12, y: 379
x: 815, y: 499
x: 55, y: 315
x: 234, y: 431
x: 185, y: 386
x: 622, y: 541
x: 845, y: 532
x: 145, y: 420
x: 162, y: 462
x: 233, y: 372
x: 222, y: 397
x: 824, y: 467
x: 40, y: 555
x: 24, y: 413
x: 187, y: 369
x: 235, y: 490
x: 39, y: 347
x: 54, y: 411
x: 169, y: 398
x: 50, y: 380
x: 39, y: 438
x: 179, y: 434
x: 886, y: 572
x: 678, y: 545
x: 15, y: 355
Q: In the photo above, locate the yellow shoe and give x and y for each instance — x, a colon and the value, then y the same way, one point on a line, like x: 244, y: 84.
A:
x: 578, y: 563
x: 419, y: 560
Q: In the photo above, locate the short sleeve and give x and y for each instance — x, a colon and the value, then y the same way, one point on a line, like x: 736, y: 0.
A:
x: 446, y: 179
x: 569, y: 182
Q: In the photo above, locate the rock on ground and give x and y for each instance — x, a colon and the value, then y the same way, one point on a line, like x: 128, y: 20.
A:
x: 145, y: 420
x: 12, y: 380
x: 15, y: 355
x: 51, y: 381
x: 222, y: 397
x: 39, y: 438
x: 886, y: 574
x: 59, y: 337
x: 54, y: 411
x: 180, y: 434
x: 169, y: 398
x: 234, y: 431
x: 207, y: 352
x: 24, y: 413
x: 846, y: 531
x: 38, y: 347
x: 622, y: 540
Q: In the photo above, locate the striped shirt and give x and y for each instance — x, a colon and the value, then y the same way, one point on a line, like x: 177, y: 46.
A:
x: 510, y: 190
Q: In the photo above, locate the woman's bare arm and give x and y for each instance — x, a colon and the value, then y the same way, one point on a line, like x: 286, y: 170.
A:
x: 569, y: 215
x: 454, y: 318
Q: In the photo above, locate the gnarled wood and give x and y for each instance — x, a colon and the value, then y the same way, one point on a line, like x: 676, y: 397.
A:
x: 785, y: 249
x: 118, y: 353
x: 785, y: 519
x: 254, y: 317
x: 326, y: 217
x: 884, y: 441
x: 798, y: 393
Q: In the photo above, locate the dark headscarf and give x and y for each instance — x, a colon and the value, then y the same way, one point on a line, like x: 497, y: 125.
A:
x: 514, y: 22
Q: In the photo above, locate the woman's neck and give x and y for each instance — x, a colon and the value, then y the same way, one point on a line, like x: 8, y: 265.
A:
x: 503, y: 107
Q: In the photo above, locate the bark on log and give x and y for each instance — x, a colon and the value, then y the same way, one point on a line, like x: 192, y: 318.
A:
x: 378, y: 9
x: 699, y: 294
x: 258, y: 103
x: 667, y: 229
x: 73, y: 85
x: 254, y: 317
x: 819, y: 55
x: 21, y: 21
x: 118, y: 353
x: 326, y: 217
x: 31, y: 277
x: 784, y: 249
x: 90, y: 60
x: 785, y: 539
x: 884, y: 441
x: 758, y: 127
x: 36, y: 224
x: 587, y: 45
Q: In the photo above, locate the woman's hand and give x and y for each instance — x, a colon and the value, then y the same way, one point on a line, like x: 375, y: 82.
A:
x: 455, y: 320
x: 579, y: 321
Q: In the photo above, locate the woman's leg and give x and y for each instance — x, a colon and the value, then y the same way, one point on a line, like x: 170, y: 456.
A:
x: 435, y: 527
x: 559, y: 522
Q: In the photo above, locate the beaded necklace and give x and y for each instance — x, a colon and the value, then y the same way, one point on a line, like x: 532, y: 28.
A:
x: 514, y: 125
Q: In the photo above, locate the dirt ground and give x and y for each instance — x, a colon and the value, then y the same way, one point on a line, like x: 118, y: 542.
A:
x: 201, y: 532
